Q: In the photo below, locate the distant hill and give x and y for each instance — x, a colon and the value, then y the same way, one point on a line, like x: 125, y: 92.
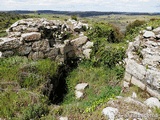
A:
x: 81, y: 13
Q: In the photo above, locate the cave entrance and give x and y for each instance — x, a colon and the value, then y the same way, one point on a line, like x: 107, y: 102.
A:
x: 57, y: 95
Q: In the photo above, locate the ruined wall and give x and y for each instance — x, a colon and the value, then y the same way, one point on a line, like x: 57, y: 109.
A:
x: 41, y: 38
x: 143, y: 61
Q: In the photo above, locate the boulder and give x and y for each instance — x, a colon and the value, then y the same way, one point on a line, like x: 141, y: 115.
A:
x: 64, y: 48
x: 7, y: 53
x: 87, y: 53
x: 42, y: 45
x: 79, y: 94
x: 9, y: 43
x: 158, y: 36
x: 152, y: 102
x: 135, y: 115
x: 149, y: 28
x: 14, y: 24
x: 63, y: 118
x: 14, y: 34
x: 88, y: 45
x: 126, y: 84
x: 135, y: 69
x: 157, y: 30
x: 135, y: 102
x: 32, y: 29
x: 19, y: 28
x: 110, y: 112
x: 134, y: 95
x: 36, y: 55
x: 149, y: 34
x: 33, y: 36
x: 79, y: 41
x: 81, y: 86
x: 0, y: 54
x: 24, y: 50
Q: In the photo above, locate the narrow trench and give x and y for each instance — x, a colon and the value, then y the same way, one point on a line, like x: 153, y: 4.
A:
x: 56, y: 94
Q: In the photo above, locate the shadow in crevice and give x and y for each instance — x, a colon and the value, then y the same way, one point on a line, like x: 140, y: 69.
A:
x: 56, y: 88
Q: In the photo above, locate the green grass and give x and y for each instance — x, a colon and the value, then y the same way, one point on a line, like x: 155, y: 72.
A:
x: 21, y: 82
x: 22, y: 105
x: 103, y: 85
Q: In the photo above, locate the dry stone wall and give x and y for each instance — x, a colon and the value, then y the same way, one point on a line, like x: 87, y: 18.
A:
x: 143, y: 61
x: 41, y: 38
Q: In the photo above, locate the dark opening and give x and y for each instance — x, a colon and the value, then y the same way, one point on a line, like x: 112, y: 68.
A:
x: 57, y: 93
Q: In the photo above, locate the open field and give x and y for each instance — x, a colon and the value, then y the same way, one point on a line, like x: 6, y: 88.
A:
x: 122, y: 20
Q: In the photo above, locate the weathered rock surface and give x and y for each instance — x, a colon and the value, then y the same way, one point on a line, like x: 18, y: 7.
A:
x: 81, y: 86
x: 127, y: 108
x: 63, y: 118
x: 41, y: 38
x: 79, y: 90
x: 110, y: 112
x: 79, y: 94
x: 152, y: 102
x: 31, y: 36
x: 148, y: 34
x: 143, y: 62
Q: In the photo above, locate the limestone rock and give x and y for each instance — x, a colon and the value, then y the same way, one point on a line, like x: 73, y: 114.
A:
x: 14, y: 34
x: 0, y: 54
x: 87, y: 53
x: 31, y: 36
x: 149, y: 34
x: 81, y: 86
x: 136, y: 115
x: 9, y: 43
x: 158, y: 36
x: 14, y: 24
x: 135, y: 69
x: 52, y: 53
x: 63, y: 118
x: 149, y: 28
x: 79, y: 94
x: 126, y: 84
x: 24, y: 50
x: 110, y: 112
x: 157, y: 30
x: 32, y: 29
x: 152, y: 102
x: 42, y: 45
x: 36, y: 55
x: 8, y: 53
x: 88, y: 45
x: 133, y: 101
x: 134, y: 95
x: 79, y: 41
x: 64, y: 48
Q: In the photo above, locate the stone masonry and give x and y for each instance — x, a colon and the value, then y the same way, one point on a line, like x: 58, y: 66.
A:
x: 41, y: 38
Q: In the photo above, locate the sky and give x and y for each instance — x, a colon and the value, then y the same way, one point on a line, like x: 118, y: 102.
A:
x: 83, y: 5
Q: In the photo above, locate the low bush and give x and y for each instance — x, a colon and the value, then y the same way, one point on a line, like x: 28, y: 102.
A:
x: 107, y: 31
x: 130, y: 28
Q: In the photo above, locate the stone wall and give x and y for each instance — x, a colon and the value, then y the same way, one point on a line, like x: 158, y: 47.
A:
x: 143, y: 61
x: 41, y: 38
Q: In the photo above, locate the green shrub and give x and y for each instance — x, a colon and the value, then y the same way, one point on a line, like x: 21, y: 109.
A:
x: 130, y: 28
x: 74, y: 17
x: 108, y: 56
x: 106, y: 31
